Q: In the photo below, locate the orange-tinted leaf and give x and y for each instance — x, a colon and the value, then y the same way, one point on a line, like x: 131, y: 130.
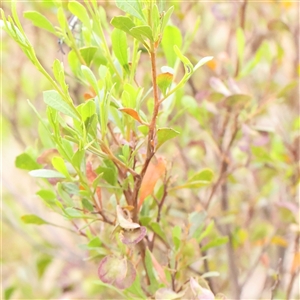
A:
x: 153, y: 173
x: 99, y: 195
x: 133, y: 113
x: 164, y: 80
x: 89, y: 95
x: 159, y: 269
x: 212, y: 64
x: 296, y: 262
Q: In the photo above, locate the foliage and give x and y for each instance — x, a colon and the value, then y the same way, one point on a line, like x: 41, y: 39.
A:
x: 153, y: 171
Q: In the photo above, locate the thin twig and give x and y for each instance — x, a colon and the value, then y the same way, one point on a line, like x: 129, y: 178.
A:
x: 277, y: 280
x: 293, y: 272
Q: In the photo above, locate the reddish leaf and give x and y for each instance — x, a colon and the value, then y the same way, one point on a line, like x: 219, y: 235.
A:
x: 133, y: 113
x: 296, y: 263
x: 129, y: 237
x: 91, y: 176
x: 117, y: 272
x: 200, y: 292
x: 153, y: 173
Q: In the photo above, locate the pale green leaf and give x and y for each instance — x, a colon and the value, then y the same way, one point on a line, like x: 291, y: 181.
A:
x: 133, y: 7
x: 33, y: 219
x: 172, y: 36
x: 119, y: 45
x: 78, y: 10
x: 39, y: 20
x: 59, y: 164
x: 143, y: 31
x: 45, y: 173
x: 26, y: 162
x: 88, y: 54
x: 165, y: 134
x: 202, y: 61
x: 54, y: 100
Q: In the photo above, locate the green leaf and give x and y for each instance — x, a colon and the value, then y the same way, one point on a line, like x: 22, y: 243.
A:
x: 78, y: 10
x: 176, y: 235
x: 25, y: 162
x: 45, y: 136
x: 73, y: 213
x: 59, y: 164
x: 54, y: 100
x: 237, y: 99
x: 42, y: 264
x: 74, y: 62
x: 202, y: 61
x: 64, y: 194
x: 133, y: 7
x: 164, y: 81
x: 122, y: 23
x: 126, y: 24
x: 33, y: 219
x: 8, y: 292
x: 39, y: 20
x: 191, y: 185
x: 215, y: 243
x: 48, y: 197
x: 240, y: 38
x: 157, y: 229
x: 172, y: 36
x: 166, y: 18
x: 90, y: 77
x: 164, y: 134
x: 109, y: 174
x: 203, y: 175
x: 183, y: 58
x: 78, y: 158
x: 94, y: 243
x: 45, y: 173
x: 149, y: 266
x: 87, y: 205
x: 196, y: 220
x: 205, y: 233
x: 143, y: 31
x: 168, y: 294
x: 46, y: 194
x: 59, y: 73
x: 251, y: 64
x: 156, y: 22
x: 136, y: 289
x: 119, y: 45
x: 144, y: 129
x: 87, y: 109
x: 88, y: 54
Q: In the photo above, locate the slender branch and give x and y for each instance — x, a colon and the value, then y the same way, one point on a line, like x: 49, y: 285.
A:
x: 277, y: 279
x: 151, y: 134
x: 293, y: 272
x: 160, y: 205
x: 252, y: 268
x: 242, y: 25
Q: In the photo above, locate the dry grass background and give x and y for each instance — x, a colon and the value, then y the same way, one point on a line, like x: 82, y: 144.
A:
x: 24, y: 246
